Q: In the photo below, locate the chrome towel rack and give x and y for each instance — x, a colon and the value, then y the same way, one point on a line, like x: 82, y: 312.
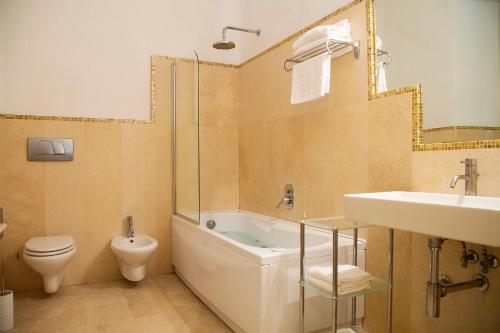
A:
x: 330, y: 46
x: 387, y: 54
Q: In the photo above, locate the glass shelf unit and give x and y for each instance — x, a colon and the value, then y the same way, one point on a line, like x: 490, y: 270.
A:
x: 352, y: 330
x: 333, y: 223
x: 342, y: 329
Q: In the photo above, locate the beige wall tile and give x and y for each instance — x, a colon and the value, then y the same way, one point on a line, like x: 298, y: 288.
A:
x: 271, y: 155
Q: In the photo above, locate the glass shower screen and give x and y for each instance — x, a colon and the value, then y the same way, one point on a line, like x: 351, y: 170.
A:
x: 186, y: 115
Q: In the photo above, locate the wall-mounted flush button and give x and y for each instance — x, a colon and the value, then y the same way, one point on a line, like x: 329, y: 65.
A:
x: 58, y: 147
x: 45, y: 148
x: 50, y: 149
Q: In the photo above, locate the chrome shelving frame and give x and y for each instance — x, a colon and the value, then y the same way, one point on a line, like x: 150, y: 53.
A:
x: 330, y: 46
x: 334, y: 225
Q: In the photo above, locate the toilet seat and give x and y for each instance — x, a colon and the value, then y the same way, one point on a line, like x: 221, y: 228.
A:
x: 49, y: 254
x: 49, y: 246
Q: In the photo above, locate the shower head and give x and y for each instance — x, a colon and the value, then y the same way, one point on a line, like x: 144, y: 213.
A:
x: 225, y: 44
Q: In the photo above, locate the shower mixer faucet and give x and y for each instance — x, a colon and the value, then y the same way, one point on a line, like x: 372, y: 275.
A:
x: 287, y: 199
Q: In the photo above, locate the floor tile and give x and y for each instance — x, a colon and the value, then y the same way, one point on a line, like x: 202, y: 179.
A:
x: 161, y: 303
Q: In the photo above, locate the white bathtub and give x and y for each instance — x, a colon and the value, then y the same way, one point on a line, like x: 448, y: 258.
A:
x: 254, y: 288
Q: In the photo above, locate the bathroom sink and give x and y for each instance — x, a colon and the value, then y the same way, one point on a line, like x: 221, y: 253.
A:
x: 468, y: 218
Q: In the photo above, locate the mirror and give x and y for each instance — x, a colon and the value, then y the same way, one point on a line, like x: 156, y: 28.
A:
x: 451, y: 48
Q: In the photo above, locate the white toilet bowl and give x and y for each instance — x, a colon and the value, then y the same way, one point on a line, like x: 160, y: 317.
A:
x: 132, y: 254
x: 49, y: 256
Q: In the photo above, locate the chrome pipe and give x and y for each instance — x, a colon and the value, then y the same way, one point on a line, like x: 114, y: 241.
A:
x: 301, y: 282
x: 335, y: 242
x: 434, y: 287
x: 174, y: 134
x: 479, y: 282
x: 230, y: 27
x: 390, y: 279
x: 355, y: 263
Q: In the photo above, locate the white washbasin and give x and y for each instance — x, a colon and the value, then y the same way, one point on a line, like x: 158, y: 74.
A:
x: 468, y: 218
x: 3, y: 226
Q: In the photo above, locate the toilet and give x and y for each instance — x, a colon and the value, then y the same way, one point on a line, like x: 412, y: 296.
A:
x: 49, y: 256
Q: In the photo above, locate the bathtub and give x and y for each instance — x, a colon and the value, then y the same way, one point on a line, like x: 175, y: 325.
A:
x: 246, y: 270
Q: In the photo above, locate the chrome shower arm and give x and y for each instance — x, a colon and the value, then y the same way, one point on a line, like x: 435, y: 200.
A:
x: 230, y: 27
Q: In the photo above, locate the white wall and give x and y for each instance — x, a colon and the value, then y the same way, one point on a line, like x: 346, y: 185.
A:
x: 451, y: 47
x: 279, y: 19
x: 91, y: 58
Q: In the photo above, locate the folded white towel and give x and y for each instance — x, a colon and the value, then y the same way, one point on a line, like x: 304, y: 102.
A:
x: 346, y: 273
x: 378, y: 42
x: 340, y: 30
x: 311, y: 79
x: 341, y: 289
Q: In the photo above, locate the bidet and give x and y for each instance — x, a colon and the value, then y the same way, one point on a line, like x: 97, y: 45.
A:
x: 132, y: 254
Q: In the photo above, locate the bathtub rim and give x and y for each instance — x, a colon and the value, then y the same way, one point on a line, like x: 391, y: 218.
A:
x: 267, y: 256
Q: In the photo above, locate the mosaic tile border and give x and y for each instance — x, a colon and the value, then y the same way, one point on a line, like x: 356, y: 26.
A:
x: 201, y: 62
x: 302, y: 31
x: 446, y: 128
x: 370, y: 29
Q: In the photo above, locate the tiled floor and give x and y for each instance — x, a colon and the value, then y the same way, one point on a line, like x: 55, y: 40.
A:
x: 160, y: 303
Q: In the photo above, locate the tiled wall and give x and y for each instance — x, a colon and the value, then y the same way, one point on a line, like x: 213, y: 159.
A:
x: 319, y: 146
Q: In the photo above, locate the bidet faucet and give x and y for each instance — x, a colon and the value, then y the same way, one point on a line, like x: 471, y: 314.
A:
x: 130, y: 232
x: 470, y: 177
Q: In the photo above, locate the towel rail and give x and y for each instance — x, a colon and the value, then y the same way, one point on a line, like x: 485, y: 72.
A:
x: 383, y: 52
x: 330, y: 46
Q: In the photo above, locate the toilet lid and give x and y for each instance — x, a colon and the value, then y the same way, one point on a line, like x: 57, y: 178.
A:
x: 49, y: 254
x: 49, y: 244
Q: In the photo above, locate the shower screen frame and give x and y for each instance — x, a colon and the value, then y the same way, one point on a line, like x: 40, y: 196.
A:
x: 193, y: 215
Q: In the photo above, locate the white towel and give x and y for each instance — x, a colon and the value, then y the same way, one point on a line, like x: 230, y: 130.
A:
x: 378, y: 42
x: 346, y: 273
x: 340, y: 30
x: 311, y: 79
x: 380, y: 70
x: 380, y: 77
x: 350, y: 278
x: 341, y: 289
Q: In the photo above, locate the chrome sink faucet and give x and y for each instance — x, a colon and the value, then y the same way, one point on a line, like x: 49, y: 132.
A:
x: 130, y: 232
x: 470, y: 177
